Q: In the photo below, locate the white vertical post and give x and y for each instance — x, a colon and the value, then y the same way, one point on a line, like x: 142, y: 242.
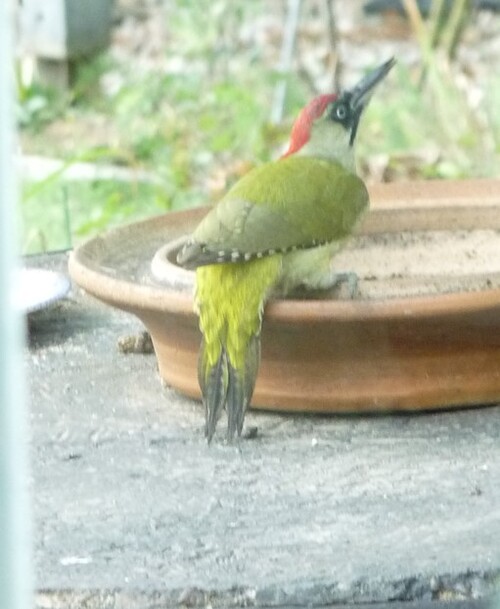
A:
x: 15, y: 550
x: 286, y: 59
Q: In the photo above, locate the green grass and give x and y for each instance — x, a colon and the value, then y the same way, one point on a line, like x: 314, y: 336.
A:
x: 64, y: 213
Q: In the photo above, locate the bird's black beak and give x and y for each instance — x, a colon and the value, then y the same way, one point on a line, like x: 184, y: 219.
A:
x: 360, y: 95
x: 362, y: 92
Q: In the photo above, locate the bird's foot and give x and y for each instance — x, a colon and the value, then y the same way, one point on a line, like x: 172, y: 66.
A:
x: 351, y: 280
x: 327, y: 286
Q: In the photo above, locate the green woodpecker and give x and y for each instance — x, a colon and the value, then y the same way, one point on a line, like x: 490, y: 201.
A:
x: 275, y: 230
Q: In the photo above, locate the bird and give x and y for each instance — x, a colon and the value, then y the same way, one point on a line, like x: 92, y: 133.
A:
x: 274, y: 231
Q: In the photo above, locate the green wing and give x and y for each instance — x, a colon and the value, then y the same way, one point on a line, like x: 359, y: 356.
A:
x: 292, y: 203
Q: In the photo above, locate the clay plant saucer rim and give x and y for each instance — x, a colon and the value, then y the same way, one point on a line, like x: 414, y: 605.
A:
x: 128, y: 295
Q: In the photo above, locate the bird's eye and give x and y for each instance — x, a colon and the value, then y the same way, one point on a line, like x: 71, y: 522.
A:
x: 340, y: 112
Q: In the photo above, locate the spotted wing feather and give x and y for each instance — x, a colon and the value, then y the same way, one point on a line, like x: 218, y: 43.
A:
x: 290, y: 204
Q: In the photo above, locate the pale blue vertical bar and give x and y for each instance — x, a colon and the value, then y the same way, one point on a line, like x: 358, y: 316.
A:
x: 15, y: 550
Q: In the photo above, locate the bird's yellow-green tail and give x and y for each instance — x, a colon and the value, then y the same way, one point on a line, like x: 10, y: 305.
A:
x: 230, y: 298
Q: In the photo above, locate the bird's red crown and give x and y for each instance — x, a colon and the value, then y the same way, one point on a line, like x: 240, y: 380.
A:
x: 301, y: 129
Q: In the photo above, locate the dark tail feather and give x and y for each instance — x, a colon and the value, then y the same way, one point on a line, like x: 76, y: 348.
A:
x: 240, y: 388
x: 213, y: 383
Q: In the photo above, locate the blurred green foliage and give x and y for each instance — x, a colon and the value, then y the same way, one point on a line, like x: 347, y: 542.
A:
x: 435, y: 123
x: 62, y: 212
x: 189, y: 123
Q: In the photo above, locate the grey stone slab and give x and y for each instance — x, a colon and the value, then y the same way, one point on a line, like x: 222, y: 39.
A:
x: 134, y: 510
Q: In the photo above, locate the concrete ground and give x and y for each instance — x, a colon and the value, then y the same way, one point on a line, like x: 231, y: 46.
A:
x: 132, y: 509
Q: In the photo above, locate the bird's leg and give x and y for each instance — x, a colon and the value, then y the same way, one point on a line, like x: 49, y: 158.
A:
x: 310, y: 273
x: 326, y: 286
x: 350, y: 278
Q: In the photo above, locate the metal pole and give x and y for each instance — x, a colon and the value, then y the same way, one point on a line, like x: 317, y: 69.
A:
x: 286, y: 59
x: 15, y: 562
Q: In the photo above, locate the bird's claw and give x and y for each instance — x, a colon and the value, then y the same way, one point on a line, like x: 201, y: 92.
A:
x: 351, y: 279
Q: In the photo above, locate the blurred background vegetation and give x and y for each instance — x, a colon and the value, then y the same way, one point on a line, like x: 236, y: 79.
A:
x: 180, y: 104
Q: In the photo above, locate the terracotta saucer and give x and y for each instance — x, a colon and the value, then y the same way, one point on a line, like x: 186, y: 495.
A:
x: 423, y: 333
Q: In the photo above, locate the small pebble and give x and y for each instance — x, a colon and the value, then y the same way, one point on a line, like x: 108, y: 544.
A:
x: 136, y: 343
